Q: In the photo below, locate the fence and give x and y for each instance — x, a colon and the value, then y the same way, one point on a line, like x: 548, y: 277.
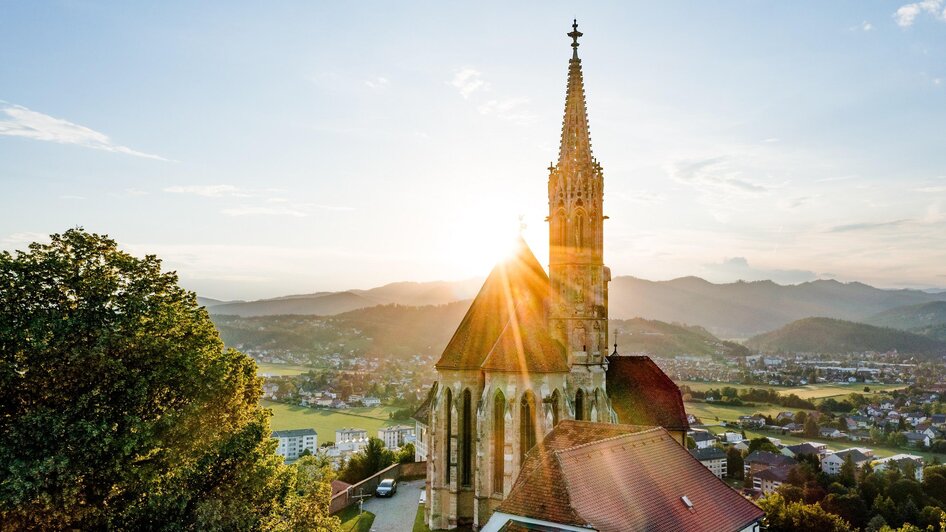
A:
x: 346, y: 498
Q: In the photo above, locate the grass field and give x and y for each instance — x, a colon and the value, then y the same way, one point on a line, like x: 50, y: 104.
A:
x: 709, y: 412
x: 355, y: 521
x: 812, y: 391
x: 326, y: 422
x: 280, y: 370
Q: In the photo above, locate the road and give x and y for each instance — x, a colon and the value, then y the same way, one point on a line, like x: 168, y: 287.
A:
x: 396, y: 514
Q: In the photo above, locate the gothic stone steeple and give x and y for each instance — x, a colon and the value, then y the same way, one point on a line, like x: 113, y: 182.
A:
x: 578, y: 315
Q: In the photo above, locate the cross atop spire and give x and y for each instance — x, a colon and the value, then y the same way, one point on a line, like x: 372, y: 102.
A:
x: 575, y: 34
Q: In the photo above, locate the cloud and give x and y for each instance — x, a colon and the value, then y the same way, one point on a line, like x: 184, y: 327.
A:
x: 23, y: 239
x: 22, y: 122
x: 867, y: 226
x: 378, y: 84
x: 738, y: 268
x: 867, y: 26
x: 254, y: 202
x: 71, y: 197
x: 467, y: 81
x: 714, y: 174
x: 508, y: 109
x: 251, y: 210
x: 906, y: 14
x: 209, y: 191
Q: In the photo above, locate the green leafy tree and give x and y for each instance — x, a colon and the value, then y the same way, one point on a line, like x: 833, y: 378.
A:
x: 762, y: 444
x: 811, y: 427
x: 405, y: 455
x: 120, y: 407
x: 735, y: 464
x: 849, y: 507
x: 373, y: 458
x: 783, y: 516
x: 848, y: 472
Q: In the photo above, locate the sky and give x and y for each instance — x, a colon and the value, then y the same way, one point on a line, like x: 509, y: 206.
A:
x: 264, y: 149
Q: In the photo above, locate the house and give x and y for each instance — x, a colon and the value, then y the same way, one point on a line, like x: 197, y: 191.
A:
x: 662, y: 486
x: 733, y: 437
x: 900, y: 461
x: 794, y: 428
x: 795, y: 451
x: 350, y: 440
x: 917, y: 439
x: 292, y: 443
x: 752, y: 421
x: 832, y: 462
x: 371, y: 401
x: 769, y: 480
x: 396, y: 436
x: 830, y: 432
x: 757, y: 461
x: 938, y: 420
x: 784, y: 416
x: 703, y: 438
x: 714, y: 458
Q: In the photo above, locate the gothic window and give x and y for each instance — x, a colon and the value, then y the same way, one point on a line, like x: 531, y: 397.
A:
x: 579, y: 229
x: 556, y: 401
x: 448, y: 423
x: 499, y: 441
x: 580, y: 405
x: 466, y: 475
x: 526, y: 424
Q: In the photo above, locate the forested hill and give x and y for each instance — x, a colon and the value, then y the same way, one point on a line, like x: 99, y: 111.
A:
x: 405, y: 330
x: 668, y: 339
x: 826, y: 335
x: 928, y: 319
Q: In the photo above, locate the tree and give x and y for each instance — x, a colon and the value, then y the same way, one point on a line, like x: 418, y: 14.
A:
x: 811, y: 427
x: 691, y: 443
x: 373, y: 458
x: 783, y: 516
x: 121, y: 408
x: 405, y: 455
x: 735, y: 464
x: 307, y: 506
x: 801, y: 417
x: 848, y: 472
x: 762, y: 444
x: 896, y: 439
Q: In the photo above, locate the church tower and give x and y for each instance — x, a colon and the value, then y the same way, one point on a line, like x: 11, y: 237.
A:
x: 578, y: 313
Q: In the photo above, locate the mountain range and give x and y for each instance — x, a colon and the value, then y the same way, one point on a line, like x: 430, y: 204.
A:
x: 731, y: 310
x: 827, y: 335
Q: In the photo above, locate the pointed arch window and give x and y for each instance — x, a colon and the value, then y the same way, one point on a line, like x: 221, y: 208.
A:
x: 580, y: 405
x: 556, y: 401
x: 448, y: 428
x: 499, y: 441
x: 466, y: 464
x: 579, y: 229
x: 526, y: 424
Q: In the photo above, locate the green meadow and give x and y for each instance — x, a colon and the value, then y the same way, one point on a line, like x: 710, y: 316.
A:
x: 326, y: 422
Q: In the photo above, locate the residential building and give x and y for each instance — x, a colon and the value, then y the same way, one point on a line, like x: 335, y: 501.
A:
x: 917, y: 439
x: 714, y: 458
x: 769, y: 480
x: 660, y: 487
x: 394, y: 437
x: 350, y: 440
x: 901, y: 461
x: 832, y: 462
x: 703, y: 438
x: 292, y: 443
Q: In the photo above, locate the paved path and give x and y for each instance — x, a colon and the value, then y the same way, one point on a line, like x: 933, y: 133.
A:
x: 396, y: 514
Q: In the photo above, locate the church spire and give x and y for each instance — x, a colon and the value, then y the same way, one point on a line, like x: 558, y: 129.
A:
x: 576, y: 139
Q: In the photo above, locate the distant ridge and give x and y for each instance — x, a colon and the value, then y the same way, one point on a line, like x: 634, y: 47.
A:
x: 827, y: 335
x: 331, y: 303
x: 928, y: 319
x: 743, y: 309
x: 732, y: 310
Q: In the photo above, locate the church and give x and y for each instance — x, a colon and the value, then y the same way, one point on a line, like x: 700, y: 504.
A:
x: 531, y: 353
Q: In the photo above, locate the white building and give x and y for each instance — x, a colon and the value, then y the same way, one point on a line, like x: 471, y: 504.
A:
x: 901, y: 461
x: 371, y: 401
x: 293, y: 442
x: 832, y: 462
x: 396, y: 436
x: 350, y: 440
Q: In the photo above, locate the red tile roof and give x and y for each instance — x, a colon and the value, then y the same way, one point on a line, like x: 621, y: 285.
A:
x: 505, y: 328
x: 630, y: 481
x: 642, y: 394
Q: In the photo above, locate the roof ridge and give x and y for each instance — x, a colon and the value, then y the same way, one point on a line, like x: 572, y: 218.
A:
x: 610, y: 438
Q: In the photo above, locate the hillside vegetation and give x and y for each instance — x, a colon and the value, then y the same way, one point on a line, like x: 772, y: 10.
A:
x: 928, y: 319
x: 827, y: 335
x: 665, y: 339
